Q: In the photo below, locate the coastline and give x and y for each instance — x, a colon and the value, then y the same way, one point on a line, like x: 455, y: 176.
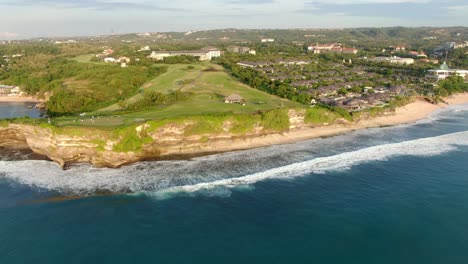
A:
x: 19, y: 99
x: 407, y: 114
x: 170, y: 143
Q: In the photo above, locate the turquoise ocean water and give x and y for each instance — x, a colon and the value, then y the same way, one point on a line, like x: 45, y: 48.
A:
x: 389, y: 195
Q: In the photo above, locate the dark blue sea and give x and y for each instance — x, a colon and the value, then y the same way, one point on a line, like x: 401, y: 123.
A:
x: 388, y: 195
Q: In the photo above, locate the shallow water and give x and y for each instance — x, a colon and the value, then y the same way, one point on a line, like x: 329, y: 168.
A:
x: 389, y: 195
x: 13, y: 110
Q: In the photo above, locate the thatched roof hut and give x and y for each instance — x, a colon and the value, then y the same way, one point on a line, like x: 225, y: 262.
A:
x: 234, y: 99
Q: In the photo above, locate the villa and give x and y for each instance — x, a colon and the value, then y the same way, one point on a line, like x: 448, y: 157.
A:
x: 444, y: 71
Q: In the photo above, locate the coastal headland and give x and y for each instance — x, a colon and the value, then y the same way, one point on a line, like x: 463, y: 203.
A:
x: 183, y: 138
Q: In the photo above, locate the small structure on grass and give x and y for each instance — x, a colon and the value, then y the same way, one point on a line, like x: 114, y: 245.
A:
x: 234, y: 99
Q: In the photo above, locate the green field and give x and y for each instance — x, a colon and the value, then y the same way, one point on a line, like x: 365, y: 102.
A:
x: 209, y: 88
x: 84, y: 58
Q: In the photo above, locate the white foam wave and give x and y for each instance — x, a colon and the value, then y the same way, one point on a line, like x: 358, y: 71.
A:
x: 420, y: 147
x: 444, y: 113
x: 163, y: 179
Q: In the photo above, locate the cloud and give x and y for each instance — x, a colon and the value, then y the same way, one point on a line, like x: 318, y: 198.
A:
x: 250, y: 2
x: 459, y: 10
x: 356, y: 2
x: 408, y: 9
x: 93, y: 5
x: 8, y: 35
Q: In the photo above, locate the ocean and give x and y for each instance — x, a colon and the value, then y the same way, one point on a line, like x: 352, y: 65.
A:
x: 387, y: 195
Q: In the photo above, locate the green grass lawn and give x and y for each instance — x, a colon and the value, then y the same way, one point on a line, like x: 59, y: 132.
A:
x: 209, y: 88
x: 84, y: 58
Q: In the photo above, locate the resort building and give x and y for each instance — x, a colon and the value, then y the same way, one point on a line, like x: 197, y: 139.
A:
x: 395, y: 60
x: 238, y: 49
x: 444, y: 71
x: 205, y: 54
x: 333, y: 47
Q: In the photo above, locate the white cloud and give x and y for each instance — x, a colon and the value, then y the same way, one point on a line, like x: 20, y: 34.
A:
x: 459, y: 10
x: 8, y: 35
x: 351, y: 2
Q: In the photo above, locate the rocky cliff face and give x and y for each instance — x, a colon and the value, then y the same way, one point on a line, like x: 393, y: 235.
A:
x: 143, y: 142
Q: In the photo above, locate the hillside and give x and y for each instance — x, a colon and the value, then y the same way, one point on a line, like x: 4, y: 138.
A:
x: 205, y: 86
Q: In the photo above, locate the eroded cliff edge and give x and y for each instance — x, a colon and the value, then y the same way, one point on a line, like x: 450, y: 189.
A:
x: 153, y: 139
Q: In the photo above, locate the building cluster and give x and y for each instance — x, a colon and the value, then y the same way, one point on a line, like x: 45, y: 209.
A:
x: 347, y: 98
x: 461, y: 45
x: 124, y: 61
x: 205, y: 54
x: 8, y: 90
x: 241, y: 49
x: 352, y: 88
x: 8, y: 58
x: 145, y: 48
x: 144, y: 34
x: 332, y: 47
x: 106, y: 57
x: 262, y: 65
x: 266, y: 40
x: 393, y: 60
x: 69, y: 41
x: 105, y: 53
x: 399, y: 48
x: 418, y: 54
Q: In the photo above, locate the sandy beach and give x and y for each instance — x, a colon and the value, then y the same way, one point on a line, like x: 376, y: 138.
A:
x: 408, y: 114
x: 19, y: 99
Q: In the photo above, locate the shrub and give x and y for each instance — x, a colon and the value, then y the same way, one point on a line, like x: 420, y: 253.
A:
x: 276, y: 120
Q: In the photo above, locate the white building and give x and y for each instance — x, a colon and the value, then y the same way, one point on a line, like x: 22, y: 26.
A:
x: 109, y: 59
x: 265, y: 40
x: 332, y: 47
x: 395, y: 60
x: 145, y: 48
x: 444, y: 71
x: 205, y: 54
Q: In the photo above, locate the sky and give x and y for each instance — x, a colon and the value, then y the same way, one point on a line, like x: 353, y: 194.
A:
x: 55, y: 18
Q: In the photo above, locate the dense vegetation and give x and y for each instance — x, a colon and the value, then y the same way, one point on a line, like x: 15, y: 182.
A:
x: 451, y: 85
x: 76, y: 87
x: 183, y: 59
x: 86, y: 84
x: 261, y: 82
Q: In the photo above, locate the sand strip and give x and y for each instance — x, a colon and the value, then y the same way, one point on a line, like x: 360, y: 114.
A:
x: 19, y: 99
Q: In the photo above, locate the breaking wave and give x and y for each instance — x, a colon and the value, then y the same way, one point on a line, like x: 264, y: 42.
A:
x: 215, y: 174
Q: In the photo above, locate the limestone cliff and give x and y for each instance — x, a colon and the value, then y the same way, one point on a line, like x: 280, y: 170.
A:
x: 146, y: 141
